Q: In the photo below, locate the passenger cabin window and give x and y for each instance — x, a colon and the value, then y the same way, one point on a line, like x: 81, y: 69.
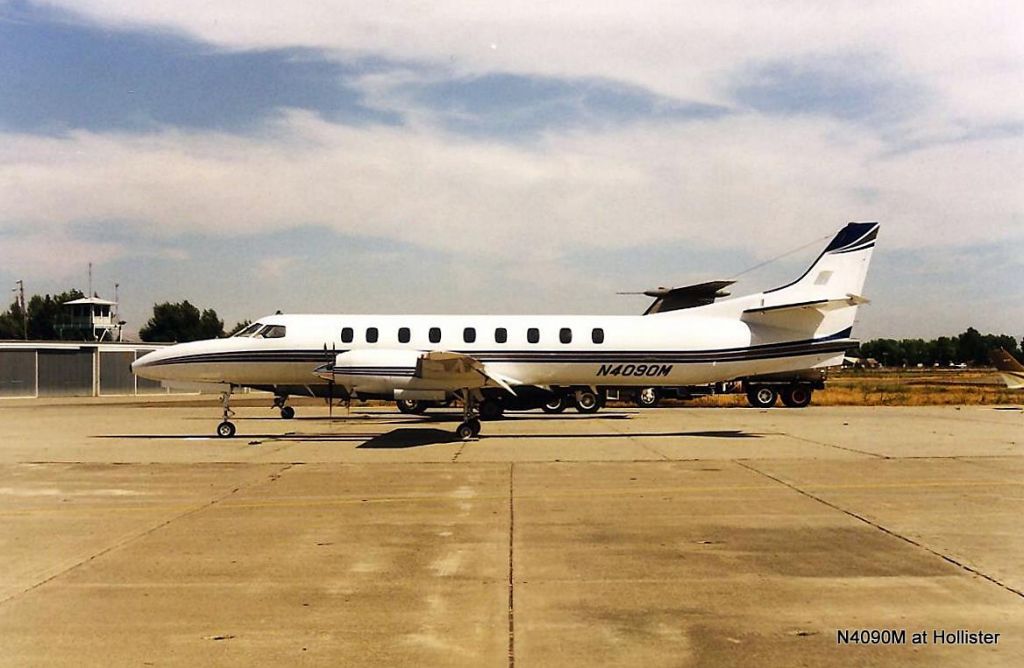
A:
x: 435, y: 335
x: 565, y: 335
x: 272, y: 332
x: 347, y: 335
x: 500, y: 335
x: 403, y: 335
x: 372, y: 335
x: 597, y: 335
x: 533, y: 335
x: 469, y: 335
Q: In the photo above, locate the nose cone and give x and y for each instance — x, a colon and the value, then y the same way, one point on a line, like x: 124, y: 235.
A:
x: 144, y: 366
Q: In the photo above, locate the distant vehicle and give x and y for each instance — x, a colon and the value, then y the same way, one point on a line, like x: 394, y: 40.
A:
x: 795, y: 390
x: 495, y: 362
x: 1010, y: 370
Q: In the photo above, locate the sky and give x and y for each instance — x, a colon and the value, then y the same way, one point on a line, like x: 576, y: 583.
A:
x: 528, y: 157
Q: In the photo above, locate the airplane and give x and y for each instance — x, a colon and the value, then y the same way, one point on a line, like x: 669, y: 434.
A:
x: 493, y: 361
x: 1010, y: 370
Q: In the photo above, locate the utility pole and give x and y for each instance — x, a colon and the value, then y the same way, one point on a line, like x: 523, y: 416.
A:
x: 24, y: 309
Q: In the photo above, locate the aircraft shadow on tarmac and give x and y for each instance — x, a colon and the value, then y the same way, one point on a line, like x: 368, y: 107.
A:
x: 415, y: 437
x: 397, y: 439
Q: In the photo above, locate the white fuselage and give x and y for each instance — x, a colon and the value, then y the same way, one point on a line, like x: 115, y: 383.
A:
x: 683, y: 348
x: 805, y: 324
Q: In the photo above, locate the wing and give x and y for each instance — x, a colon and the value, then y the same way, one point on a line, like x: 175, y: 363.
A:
x: 458, y: 370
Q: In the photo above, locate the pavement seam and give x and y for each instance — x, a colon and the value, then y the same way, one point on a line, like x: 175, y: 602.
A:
x: 633, y: 439
x: 511, y: 572
x: 130, y: 539
x: 885, y: 530
x: 838, y: 447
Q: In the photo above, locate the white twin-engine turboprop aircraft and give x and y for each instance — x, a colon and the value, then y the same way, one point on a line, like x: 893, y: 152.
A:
x: 490, y: 361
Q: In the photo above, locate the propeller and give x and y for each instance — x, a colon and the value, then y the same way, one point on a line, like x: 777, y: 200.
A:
x: 331, y: 357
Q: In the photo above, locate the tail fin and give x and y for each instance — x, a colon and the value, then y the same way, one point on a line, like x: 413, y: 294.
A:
x: 1011, y: 371
x: 824, y: 300
x: 839, y: 271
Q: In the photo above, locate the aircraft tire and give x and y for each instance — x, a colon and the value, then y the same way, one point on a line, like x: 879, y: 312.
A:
x: 797, y: 396
x: 556, y: 405
x: 588, y: 402
x: 287, y: 412
x: 225, y: 429
x: 762, y: 396
x: 648, y: 397
x: 411, y: 406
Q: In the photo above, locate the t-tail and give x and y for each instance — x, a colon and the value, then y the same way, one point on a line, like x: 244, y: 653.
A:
x: 823, y: 302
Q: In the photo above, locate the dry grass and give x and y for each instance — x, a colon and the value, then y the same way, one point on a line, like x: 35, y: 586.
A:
x: 901, y: 387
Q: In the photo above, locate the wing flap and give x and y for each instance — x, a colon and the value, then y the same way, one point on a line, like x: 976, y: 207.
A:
x: 457, y: 370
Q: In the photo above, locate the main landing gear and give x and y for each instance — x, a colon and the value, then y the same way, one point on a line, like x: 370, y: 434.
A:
x: 226, y: 429
x: 287, y: 412
x: 470, y: 427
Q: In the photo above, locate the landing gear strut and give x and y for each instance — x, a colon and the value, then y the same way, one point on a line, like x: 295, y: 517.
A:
x: 226, y: 429
x: 470, y: 427
x: 287, y: 412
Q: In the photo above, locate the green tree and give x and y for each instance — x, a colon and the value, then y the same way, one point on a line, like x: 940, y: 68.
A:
x: 181, y: 322
x: 45, y: 312
x: 239, y: 327
x: 11, y: 323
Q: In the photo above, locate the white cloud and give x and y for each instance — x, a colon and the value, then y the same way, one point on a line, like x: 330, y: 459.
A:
x: 741, y: 181
x: 970, y: 54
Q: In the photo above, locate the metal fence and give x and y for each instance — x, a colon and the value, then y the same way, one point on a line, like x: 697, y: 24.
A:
x: 64, y: 369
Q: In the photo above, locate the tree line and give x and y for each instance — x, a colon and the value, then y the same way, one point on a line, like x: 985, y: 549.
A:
x: 182, y: 321
x: 171, y: 322
x: 970, y: 347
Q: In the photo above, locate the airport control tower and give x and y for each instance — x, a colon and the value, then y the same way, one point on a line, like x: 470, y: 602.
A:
x: 89, y: 319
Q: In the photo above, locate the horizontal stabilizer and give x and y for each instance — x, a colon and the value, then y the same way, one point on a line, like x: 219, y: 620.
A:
x: 686, y: 296
x: 817, y: 304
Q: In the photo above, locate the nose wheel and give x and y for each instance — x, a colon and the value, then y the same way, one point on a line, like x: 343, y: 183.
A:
x: 226, y: 429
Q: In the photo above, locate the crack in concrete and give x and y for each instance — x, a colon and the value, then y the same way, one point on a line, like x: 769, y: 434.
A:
x: 887, y: 531
x: 131, y: 539
x: 837, y: 447
x: 511, y: 572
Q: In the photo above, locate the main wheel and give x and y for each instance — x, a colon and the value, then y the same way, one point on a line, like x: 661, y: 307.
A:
x: 556, y: 405
x: 287, y: 412
x: 490, y: 410
x: 649, y: 397
x: 467, y: 431
x: 588, y: 402
x: 411, y: 406
x: 762, y: 397
x: 225, y: 429
x: 797, y: 396
x: 474, y: 424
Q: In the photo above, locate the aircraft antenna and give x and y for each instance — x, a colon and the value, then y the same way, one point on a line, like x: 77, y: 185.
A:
x: 779, y: 257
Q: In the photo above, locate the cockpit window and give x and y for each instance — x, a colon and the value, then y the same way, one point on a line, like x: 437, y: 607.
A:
x: 250, y: 330
x: 271, y: 332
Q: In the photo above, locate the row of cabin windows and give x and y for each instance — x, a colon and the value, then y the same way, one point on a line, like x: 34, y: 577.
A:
x: 469, y: 335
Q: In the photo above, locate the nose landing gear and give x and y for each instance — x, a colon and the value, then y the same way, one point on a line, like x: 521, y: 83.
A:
x: 226, y: 429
